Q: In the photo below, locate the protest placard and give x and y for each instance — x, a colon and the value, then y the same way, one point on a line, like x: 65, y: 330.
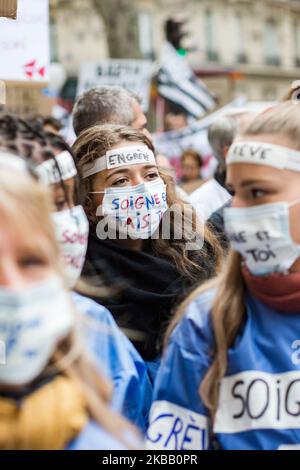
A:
x: 134, y: 75
x: 24, y: 43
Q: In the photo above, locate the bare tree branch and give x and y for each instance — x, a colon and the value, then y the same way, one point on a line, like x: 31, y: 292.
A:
x: 121, y: 23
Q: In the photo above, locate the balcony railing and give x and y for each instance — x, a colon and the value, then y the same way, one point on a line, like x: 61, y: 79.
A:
x: 273, y: 60
x: 242, y: 58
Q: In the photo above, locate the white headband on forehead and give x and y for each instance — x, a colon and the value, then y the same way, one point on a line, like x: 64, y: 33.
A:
x: 119, y: 157
x: 261, y: 153
x: 48, y: 173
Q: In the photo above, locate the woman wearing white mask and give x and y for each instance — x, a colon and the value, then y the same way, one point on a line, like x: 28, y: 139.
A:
x: 134, y: 215
x: 230, y: 377
x: 40, y: 150
x: 50, y: 158
x: 51, y: 393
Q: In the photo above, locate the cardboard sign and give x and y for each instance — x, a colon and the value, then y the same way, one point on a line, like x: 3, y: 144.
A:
x: 24, y: 43
x: 134, y: 75
x: 8, y: 8
x: 25, y: 98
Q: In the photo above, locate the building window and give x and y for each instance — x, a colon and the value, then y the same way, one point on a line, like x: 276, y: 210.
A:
x: 145, y: 24
x: 271, y: 43
x: 53, y: 40
x: 269, y: 93
x: 296, y: 43
x: 211, y: 53
x: 239, y: 40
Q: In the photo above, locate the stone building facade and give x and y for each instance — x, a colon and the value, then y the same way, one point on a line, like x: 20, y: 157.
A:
x: 238, y: 47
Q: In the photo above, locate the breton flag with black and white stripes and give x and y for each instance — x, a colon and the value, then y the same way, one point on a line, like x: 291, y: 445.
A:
x: 178, y: 84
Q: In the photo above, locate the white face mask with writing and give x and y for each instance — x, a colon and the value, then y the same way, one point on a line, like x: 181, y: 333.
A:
x: 133, y: 211
x: 261, y: 234
x: 72, y: 229
x: 32, y: 322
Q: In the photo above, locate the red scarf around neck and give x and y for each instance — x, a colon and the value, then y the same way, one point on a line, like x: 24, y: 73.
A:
x: 278, y: 291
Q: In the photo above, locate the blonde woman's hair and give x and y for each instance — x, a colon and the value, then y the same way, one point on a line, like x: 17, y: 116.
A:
x: 25, y: 207
x: 94, y: 143
x: 228, y: 309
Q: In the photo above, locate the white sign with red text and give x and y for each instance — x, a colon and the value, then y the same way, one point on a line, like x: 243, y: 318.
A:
x: 24, y: 43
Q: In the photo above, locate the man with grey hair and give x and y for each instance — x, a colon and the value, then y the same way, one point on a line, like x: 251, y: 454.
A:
x: 108, y: 104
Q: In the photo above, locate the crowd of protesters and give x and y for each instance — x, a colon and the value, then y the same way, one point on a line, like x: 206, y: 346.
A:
x: 140, y: 311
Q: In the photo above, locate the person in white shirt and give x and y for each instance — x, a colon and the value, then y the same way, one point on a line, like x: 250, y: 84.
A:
x: 212, y: 195
x: 209, y: 198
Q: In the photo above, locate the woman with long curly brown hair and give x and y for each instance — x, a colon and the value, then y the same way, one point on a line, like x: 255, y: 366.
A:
x: 231, y: 370
x: 142, y: 238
